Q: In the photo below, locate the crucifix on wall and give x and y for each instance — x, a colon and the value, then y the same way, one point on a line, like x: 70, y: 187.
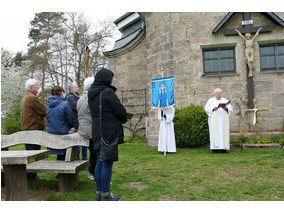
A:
x: 248, y: 29
x: 249, y: 42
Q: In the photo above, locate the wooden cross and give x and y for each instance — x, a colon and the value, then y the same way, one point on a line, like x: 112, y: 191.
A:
x: 256, y: 110
x: 162, y: 71
x: 86, y: 57
x: 248, y: 28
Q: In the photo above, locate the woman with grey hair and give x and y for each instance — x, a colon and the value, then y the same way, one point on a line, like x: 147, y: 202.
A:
x: 85, y: 124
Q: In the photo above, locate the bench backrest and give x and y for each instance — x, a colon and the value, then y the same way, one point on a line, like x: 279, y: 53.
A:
x: 69, y: 142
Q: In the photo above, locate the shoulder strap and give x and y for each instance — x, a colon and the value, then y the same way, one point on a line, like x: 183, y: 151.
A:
x: 101, y: 108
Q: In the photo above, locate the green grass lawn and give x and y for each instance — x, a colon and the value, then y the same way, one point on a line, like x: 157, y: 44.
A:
x: 143, y: 174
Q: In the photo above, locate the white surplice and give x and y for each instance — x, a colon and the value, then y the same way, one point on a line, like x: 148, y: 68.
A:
x: 167, y: 134
x: 219, y: 127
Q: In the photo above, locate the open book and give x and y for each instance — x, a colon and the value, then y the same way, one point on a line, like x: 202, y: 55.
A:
x: 224, y: 104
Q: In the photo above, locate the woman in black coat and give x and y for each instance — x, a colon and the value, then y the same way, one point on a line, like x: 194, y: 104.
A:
x: 113, y: 116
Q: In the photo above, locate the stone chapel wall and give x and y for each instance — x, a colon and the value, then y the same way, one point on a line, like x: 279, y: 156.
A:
x: 174, y: 42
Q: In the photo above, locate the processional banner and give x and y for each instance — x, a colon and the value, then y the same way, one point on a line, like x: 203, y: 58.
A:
x: 163, y: 92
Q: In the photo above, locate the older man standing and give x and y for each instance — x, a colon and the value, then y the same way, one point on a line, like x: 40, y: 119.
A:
x: 32, y: 112
x: 72, y: 98
x: 218, y: 110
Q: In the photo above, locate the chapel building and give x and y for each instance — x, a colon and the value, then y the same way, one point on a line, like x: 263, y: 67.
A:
x: 203, y: 52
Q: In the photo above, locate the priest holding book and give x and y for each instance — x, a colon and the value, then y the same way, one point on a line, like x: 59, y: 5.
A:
x: 218, y: 110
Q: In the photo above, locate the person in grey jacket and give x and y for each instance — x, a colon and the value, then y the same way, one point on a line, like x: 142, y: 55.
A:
x: 85, y: 124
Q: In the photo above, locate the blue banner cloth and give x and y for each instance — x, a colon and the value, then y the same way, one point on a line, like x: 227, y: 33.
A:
x: 163, y: 92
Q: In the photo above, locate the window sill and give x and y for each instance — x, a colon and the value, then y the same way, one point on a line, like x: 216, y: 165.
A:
x: 220, y: 75
x: 270, y: 71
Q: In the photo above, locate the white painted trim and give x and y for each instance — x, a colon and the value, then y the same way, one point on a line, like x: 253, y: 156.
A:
x: 128, y: 20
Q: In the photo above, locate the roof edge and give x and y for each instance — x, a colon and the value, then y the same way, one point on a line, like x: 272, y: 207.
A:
x: 122, y: 17
x: 270, y: 15
x: 223, y: 21
x: 128, y: 47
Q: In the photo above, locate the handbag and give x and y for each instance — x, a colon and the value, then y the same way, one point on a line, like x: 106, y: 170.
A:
x: 108, y: 149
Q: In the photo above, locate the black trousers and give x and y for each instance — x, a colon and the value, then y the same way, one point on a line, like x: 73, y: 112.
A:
x: 93, y: 158
x: 60, y: 157
x: 32, y: 176
x: 219, y: 151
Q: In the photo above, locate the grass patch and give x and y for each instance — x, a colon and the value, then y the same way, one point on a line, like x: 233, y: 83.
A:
x: 135, y: 140
x: 143, y: 174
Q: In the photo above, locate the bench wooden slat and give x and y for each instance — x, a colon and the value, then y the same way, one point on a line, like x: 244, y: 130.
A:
x: 51, y: 166
x: 44, y: 139
x: 22, y: 157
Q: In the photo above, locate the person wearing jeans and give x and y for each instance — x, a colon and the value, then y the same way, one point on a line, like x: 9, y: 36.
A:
x: 84, y: 152
x: 103, y: 175
x: 113, y: 114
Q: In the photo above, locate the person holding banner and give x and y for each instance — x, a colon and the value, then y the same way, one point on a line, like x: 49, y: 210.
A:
x: 167, y: 143
x: 163, y: 100
x: 218, y: 110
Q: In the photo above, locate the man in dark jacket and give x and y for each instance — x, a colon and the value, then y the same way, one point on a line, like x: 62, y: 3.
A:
x: 72, y: 98
x: 32, y: 113
x: 113, y: 115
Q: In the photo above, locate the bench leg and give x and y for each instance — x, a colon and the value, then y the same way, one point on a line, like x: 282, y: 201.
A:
x: 67, y: 182
x: 15, y: 182
x: 2, y: 180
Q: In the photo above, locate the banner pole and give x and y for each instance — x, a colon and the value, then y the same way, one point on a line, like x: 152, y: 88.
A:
x: 165, y: 150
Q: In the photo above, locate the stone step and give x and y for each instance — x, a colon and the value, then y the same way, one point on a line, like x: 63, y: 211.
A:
x: 261, y: 146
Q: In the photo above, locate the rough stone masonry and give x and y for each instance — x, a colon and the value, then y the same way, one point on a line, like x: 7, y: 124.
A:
x: 174, y: 42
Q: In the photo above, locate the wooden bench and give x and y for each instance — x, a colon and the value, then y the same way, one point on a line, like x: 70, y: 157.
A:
x: 68, y: 170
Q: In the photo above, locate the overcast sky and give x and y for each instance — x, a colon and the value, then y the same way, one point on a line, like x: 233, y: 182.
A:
x: 15, y: 15
x: 14, y: 33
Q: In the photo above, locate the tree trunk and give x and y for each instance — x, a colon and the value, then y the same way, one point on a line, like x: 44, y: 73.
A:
x: 42, y: 84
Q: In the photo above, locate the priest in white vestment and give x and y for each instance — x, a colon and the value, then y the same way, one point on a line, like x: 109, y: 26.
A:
x: 167, y: 141
x: 218, y: 120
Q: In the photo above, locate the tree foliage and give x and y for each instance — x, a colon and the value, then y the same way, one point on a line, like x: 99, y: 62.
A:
x: 45, y: 26
x: 13, y: 79
x: 55, y: 56
x: 12, y: 122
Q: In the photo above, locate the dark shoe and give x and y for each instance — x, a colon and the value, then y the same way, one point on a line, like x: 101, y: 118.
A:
x: 98, y: 197
x: 109, y: 197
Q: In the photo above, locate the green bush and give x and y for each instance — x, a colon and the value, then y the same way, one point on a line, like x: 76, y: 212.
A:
x: 275, y: 138
x: 12, y: 122
x: 191, y: 127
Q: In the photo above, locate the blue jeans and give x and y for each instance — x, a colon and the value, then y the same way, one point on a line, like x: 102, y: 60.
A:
x: 84, y: 152
x: 103, y: 174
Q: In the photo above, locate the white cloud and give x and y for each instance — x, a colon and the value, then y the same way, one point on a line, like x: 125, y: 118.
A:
x: 15, y: 27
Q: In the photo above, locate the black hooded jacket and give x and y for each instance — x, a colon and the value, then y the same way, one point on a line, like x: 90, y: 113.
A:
x: 113, y: 112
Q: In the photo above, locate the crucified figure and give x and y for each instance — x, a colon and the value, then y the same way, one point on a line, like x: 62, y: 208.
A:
x: 249, y: 48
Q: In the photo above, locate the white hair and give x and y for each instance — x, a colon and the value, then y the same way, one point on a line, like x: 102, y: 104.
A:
x: 217, y: 90
x: 72, y: 84
x: 88, y: 82
x: 30, y: 82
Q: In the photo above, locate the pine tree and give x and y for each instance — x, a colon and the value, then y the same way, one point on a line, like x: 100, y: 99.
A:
x: 45, y: 26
